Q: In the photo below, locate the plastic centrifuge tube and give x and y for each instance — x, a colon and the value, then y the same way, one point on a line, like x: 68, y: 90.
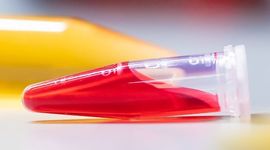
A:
x: 208, y: 84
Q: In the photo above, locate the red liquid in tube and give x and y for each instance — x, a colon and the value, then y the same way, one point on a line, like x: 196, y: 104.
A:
x: 114, y: 92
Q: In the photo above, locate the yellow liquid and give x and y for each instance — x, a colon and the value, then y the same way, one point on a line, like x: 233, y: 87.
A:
x: 33, y: 49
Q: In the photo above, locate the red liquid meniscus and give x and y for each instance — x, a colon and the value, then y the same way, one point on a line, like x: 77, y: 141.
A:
x: 113, y: 93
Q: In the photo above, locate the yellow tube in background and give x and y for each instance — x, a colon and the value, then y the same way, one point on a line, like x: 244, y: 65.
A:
x: 33, y: 49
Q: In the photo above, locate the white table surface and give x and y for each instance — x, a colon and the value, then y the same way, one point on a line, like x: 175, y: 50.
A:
x: 25, y: 130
